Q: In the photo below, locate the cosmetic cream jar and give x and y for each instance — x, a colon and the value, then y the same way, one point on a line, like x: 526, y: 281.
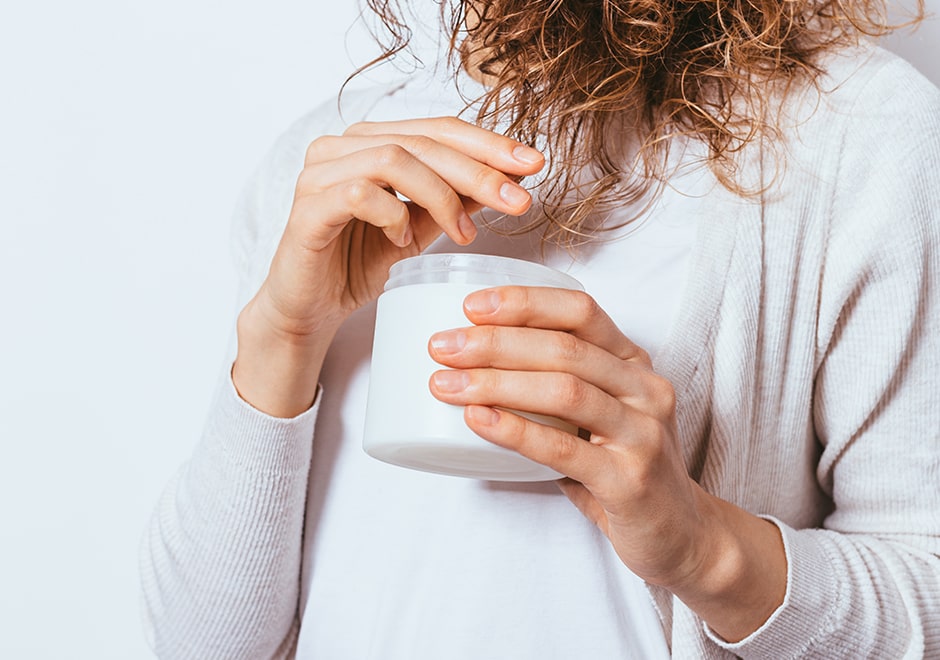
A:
x: 405, y: 425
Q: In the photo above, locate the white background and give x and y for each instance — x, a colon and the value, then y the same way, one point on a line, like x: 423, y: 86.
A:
x: 126, y: 132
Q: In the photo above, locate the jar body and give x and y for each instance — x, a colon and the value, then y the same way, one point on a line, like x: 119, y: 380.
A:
x: 405, y: 425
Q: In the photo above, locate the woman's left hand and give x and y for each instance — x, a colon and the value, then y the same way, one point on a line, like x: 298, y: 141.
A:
x: 556, y: 352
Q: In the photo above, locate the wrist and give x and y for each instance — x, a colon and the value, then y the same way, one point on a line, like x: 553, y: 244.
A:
x: 741, y: 572
x: 276, y: 371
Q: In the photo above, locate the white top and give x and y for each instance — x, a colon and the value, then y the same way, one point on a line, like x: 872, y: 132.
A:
x: 441, y: 546
x: 804, y: 354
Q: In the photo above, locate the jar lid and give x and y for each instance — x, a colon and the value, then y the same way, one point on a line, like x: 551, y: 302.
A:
x: 484, y: 269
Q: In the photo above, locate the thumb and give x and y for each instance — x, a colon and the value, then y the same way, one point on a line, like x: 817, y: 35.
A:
x: 585, y: 502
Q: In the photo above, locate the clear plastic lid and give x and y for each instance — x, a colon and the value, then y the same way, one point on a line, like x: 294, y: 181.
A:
x: 483, y: 269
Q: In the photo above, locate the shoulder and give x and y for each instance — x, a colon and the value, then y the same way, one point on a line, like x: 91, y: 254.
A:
x: 868, y: 72
x: 861, y: 172
x: 885, y: 125
x: 864, y: 143
x: 869, y: 101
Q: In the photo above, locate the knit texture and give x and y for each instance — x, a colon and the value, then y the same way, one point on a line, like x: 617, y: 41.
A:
x: 807, y: 370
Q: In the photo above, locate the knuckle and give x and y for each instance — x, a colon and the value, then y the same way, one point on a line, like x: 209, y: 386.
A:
x: 309, y: 183
x: 569, y: 349
x: 564, y: 452
x: 652, y: 437
x: 356, y: 192
x: 586, y: 307
x: 485, y: 178
x: 358, y: 128
x: 417, y: 144
x: 391, y: 156
x: 317, y: 150
x: 641, y: 355
x: 448, y: 124
x: 515, y: 297
x: 485, y: 338
x: 571, y: 392
x: 663, y: 393
x: 444, y: 199
x: 305, y: 183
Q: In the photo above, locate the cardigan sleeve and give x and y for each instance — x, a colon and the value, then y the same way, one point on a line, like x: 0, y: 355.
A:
x: 220, y: 561
x: 867, y: 584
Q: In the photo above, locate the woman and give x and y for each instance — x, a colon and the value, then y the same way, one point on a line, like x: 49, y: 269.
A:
x: 750, y: 195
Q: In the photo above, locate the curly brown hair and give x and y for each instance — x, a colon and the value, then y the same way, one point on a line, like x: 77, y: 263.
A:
x: 566, y: 75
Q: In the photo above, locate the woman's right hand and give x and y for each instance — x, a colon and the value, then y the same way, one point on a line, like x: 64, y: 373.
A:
x: 349, y: 224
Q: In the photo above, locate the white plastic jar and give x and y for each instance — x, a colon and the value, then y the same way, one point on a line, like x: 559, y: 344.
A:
x: 405, y: 425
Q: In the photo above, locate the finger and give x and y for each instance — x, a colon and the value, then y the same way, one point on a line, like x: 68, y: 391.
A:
x: 392, y: 167
x: 467, y: 176
x: 552, y: 309
x: 553, y: 394
x: 563, y: 452
x: 320, y: 218
x: 483, y: 145
x: 534, y: 349
x: 426, y: 230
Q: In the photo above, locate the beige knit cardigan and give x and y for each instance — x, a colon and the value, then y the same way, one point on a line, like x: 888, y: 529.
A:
x: 808, y: 381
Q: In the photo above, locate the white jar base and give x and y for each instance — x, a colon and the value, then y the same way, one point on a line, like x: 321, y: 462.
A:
x: 476, y: 462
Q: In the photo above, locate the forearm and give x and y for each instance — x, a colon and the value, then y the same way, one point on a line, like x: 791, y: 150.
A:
x: 220, y: 562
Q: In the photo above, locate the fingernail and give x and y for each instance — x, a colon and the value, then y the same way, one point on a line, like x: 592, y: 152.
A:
x: 450, y: 381
x: 513, y: 195
x: 526, y: 155
x: 483, y: 415
x: 467, y: 229
x: 482, y: 302
x: 448, y: 342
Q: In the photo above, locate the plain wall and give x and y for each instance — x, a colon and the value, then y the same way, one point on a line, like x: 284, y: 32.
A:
x: 126, y: 132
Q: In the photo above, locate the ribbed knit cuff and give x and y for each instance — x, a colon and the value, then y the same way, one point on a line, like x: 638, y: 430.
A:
x: 255, y: 440
x: 808, y: 610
